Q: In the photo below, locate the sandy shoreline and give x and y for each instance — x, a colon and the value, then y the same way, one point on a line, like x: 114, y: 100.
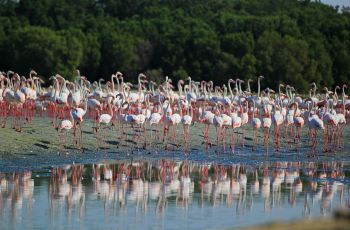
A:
x: 336, y: 223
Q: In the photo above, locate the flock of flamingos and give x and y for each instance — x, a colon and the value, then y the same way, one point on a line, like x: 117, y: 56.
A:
x: 154, y: 111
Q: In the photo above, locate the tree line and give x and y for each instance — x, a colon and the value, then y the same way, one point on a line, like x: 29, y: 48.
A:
x: 290, y: 41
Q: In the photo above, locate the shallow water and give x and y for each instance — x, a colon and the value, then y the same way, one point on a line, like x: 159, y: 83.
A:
x: 171, y: 194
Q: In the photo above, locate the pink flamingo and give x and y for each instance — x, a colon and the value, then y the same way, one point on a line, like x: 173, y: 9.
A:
x: 207, y: 117
x: 65, y: 125
x: 104, y: 119
x: 277, y: 120
x: 298, y: 122
x: 256, y: 124
x: 235, y: 123
x: 78, y: 115
x: 187, y: 121
x: 315, y: 124
x: 218, y: 122
x: 266, y: 123
x: 245, y: 119
x: 19, y: 101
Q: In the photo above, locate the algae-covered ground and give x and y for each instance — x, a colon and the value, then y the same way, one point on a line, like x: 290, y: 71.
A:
x: 38, y: 146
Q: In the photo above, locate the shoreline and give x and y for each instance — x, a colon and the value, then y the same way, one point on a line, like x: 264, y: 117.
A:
x: 37, y: 146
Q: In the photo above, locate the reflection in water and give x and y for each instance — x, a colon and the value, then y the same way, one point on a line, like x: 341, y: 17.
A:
x: 164, y: 189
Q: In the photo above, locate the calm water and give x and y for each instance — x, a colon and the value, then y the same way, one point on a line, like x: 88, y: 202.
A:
x: 167, y: 194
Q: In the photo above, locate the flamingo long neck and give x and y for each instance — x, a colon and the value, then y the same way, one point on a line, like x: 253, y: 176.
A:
x: 32, y: 85
x: 139, y: 83
x: 112, y: 80
x: 314, y: 90
x: 259, y: 87
x: 248, y: 88
x: 240, y: 87
x: 225, y: 91
x: 343, y: 100
x: 229, y: 88
x: 197, y: 90
x: 343, y: 93
x: 332, y: 107
x: 118, y: 85
x: 186, y: 92
x: 99, y: 84
x: 122, y: 81
x: 64, y: 86
x: 279, y: 90
x: 56, y: 87
x: 205, y: 92
x: 179, y: 86
x: 236, y: 87
x: 123, y: 91
x: 335, y: 92
x: 287, y: 92
x: 12, y: 86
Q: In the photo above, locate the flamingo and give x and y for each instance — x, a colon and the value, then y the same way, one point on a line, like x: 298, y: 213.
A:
x: 330, y: 120
x: 245, y: 120
x: 104, y: 119
x: 187, y: 121
x: 256, y: 124
x: 218, y: 122
x: 207, y: 117
x: 266, y: 123
x: 154, y: 119
x: 298, y: 122
x: 341, y: 117
x: 78, y: 115
x: 20, y: 99
x: 171, y: 120
x: 236, y: 122
x: 277, y: 120
x: 8, y: 95
x: 315, y: 124
x: 227, y: 122
x: 65, y: 125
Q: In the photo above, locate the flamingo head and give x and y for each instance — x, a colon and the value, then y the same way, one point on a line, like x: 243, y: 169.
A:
x: 32, y: 72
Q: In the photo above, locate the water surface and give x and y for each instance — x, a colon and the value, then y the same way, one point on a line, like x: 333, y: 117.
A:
x: 171, y: 194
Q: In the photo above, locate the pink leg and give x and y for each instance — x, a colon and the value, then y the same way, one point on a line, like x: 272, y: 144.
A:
x: 150, y: 137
